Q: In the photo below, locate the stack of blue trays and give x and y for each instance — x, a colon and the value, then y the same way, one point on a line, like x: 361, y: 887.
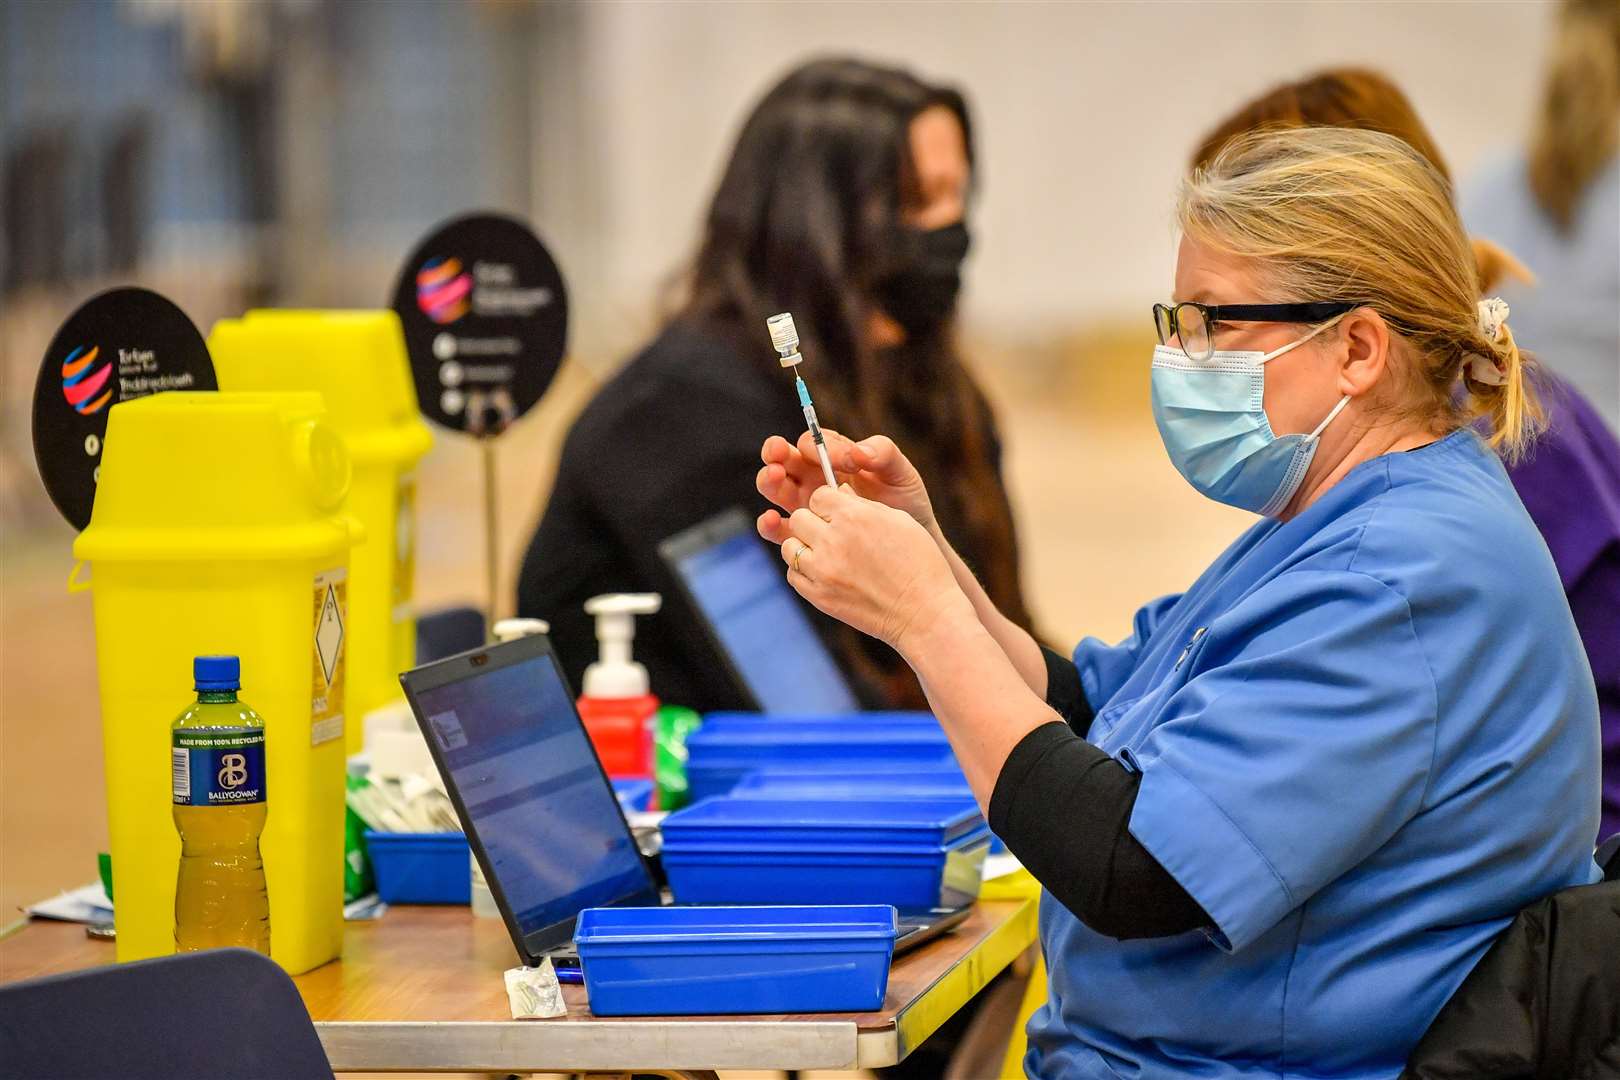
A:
x: 913, y: 853
x: 899, y: 718
x: 873, y: 755
x: 701, y: 961
x: 787, y: 782
x: 730, y: 746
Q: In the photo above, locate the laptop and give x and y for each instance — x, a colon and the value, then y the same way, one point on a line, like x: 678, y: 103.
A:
x: 735, y: 583
x: 539, y: 813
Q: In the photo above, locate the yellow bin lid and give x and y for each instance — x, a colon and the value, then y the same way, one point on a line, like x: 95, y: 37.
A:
x: 216, y: 475
x: 354, y: 359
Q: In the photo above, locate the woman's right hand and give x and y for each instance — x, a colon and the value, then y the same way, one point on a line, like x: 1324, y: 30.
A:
x: 874, y: 467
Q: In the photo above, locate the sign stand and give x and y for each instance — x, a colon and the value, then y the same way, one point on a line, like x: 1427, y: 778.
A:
x: 492, y: 559
x: 485, y: 315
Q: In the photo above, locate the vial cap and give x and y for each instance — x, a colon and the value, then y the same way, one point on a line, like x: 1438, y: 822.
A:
x: 217, y: 672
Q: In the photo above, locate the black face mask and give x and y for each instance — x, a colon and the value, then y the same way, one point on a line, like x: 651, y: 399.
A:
x: 919, y: 290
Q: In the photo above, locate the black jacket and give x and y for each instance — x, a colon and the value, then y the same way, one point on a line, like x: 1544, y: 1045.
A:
x: 671, y: 440
x: 1543, y: 1003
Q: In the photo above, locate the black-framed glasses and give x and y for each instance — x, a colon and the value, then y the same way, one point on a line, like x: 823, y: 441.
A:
x: 1193, y: 324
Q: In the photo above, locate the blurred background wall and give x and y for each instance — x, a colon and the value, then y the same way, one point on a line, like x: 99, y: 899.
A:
x: 288, y: 152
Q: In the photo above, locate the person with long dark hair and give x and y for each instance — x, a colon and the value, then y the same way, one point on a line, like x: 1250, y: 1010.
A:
x: 845, y: 202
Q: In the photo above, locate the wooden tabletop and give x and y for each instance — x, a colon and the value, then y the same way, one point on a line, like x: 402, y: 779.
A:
x: 421, y: 989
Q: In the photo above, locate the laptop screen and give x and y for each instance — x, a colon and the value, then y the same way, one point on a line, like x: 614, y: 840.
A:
x: 534, y: 793
x: 740, y: 589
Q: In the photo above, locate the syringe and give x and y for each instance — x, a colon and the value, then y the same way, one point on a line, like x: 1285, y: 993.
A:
x: 785, y: 339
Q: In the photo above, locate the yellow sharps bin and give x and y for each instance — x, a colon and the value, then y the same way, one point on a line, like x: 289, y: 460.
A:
x: 218, y: 528
x: 356, y: 361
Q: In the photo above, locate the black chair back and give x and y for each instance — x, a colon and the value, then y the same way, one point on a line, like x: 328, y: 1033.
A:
x: 195, y: 1016
x: 1544, y: 1001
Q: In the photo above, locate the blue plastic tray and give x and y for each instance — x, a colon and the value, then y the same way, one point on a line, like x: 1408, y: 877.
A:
x: 836, y: 822
x: 825, y: 785
x: 753, y: 737
x: 914, y: 854
x: 710, y: 775
x: 718, y: 759
x: 633, y: 795
x: 822, y: 785
x: 913, y: 881
x: 421, y: 868
x: 706, y: 961
x: 731, y: 721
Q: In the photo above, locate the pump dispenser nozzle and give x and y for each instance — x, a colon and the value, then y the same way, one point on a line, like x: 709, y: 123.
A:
x: 616, y: 675
x: 512, y: 629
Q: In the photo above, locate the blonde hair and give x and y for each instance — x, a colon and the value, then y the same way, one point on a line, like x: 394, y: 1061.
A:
x: 1341, y: 214
x: 1577, y: 128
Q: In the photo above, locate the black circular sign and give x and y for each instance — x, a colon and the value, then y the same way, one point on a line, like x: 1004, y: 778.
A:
x: 486, y: 319
x: 120, y: 345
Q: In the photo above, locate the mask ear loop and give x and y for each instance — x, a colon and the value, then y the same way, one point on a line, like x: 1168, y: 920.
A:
x: 1296, y: 344
x: 1337, y: 409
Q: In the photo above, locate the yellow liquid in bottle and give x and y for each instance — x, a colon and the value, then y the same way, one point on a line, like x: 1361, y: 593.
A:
x: 220, y: 897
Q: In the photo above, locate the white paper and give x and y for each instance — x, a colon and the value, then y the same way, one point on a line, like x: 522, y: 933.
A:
x: 646, y: 819
x: 998, y: 866
x: 364, y: 908
x: 86, y: 904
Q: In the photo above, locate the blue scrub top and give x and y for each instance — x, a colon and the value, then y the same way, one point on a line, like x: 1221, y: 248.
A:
x: 1367, y: 737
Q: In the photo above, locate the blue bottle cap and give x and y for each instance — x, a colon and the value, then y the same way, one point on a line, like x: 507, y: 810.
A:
x: 217, y: 672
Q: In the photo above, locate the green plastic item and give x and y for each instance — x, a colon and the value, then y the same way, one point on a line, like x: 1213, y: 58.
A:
x: 357, y: 881
x: 671, y: 727
x: 104, y: 868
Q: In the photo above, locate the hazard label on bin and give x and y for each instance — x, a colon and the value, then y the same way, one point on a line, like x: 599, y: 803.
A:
x: 326, y: 701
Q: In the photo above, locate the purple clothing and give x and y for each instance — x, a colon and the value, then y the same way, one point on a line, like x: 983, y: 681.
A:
x: 1570, y: 483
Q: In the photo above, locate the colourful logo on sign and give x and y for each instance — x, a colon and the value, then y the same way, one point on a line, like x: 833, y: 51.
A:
x: 83, y: 384
x: 442, y: 289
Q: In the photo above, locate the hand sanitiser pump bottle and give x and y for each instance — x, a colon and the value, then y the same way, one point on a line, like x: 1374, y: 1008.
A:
x: 617, y: 707
x: 217, y: 765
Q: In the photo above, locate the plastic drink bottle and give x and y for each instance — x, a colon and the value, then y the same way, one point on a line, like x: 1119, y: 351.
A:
x: 219, y: 809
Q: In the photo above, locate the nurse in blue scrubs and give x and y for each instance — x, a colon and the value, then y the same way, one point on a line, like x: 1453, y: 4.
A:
x: 1280, y: 822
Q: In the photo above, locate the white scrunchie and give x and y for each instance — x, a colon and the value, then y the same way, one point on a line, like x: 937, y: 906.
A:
x: 1493, y: 314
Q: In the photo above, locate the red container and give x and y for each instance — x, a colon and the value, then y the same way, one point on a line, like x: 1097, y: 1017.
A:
x: 621, y: 731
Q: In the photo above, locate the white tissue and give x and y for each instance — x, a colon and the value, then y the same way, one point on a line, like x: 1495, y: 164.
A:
x: 534, y: 992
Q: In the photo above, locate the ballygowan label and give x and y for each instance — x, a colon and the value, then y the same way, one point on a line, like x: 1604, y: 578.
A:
x: 218, y: 767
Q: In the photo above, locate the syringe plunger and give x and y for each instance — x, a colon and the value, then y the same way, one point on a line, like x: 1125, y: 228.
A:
x: 784, y: 338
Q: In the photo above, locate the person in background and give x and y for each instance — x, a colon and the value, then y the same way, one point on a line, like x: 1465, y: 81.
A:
x: 1570, y: 479
x: 1556, y: 205
x: 844, y: 202
x: 1280, y: 822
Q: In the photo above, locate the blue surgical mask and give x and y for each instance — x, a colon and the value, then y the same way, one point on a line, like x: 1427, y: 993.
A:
x: 1212, y: 418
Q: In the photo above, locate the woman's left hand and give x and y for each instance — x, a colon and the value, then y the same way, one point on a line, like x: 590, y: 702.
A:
x: 868, y: 565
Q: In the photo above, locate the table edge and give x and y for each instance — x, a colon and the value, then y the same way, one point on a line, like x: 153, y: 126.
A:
x: 569, y: 1046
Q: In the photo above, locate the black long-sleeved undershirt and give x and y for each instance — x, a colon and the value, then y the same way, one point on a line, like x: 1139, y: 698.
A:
x: 1064, y: 808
